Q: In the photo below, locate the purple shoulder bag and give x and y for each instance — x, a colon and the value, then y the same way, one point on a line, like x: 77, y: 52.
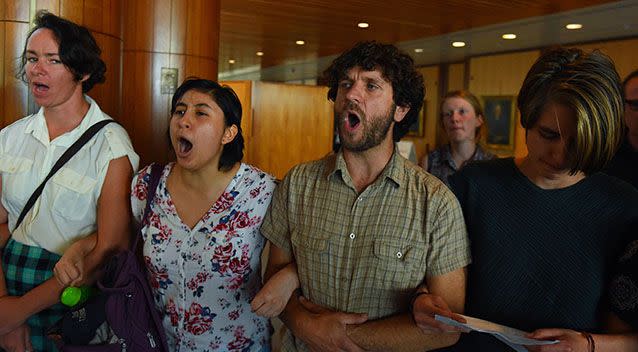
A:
x: 122, y: 316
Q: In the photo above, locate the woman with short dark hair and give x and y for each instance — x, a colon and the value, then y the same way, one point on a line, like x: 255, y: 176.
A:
x: 89, y: 195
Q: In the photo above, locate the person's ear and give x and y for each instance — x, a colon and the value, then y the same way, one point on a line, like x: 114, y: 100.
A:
x: 229, y: 134
x: 480, y: 120
x: 400, y: 112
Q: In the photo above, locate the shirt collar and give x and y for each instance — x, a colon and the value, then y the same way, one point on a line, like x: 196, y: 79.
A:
x: 38, y: 128
x: 393, y: 171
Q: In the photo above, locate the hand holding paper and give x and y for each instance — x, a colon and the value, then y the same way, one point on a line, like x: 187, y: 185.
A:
x: 514, y: 338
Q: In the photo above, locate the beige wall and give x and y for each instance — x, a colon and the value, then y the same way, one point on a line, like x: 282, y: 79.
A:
x: 502, y: 75
x: 623, y: 52
x: 427, y: 141
x: 456, y: 77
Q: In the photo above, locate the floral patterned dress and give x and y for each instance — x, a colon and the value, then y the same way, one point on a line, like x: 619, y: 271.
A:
x: 204, y: 278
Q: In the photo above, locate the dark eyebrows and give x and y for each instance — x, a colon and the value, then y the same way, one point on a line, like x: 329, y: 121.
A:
x: 47, y: 54
x: 199, y: 106
x: 203, y: 105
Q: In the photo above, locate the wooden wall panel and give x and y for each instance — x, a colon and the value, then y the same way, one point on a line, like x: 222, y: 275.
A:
x: 108, y: 94
x: 16, y: 93
x: 16, y: 11
x: 243, y: 89
x: 456, y: 77
x: 291, y: 124
x: 503, y: 75
x: 136, y: 102
x: 2, y: 74
x: 426, y: 143
x: 623, y: 52
x: 74, y: 11
x: 103, y: 16
x: 158, y: 34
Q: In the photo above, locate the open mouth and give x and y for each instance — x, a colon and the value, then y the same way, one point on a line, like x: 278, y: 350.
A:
x: 184, y: 145
x: 40, y: 88
x: 353, y: 120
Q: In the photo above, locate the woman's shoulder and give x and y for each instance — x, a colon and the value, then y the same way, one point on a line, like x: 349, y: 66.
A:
x: 257, y: 175
x: 143, y: 177
x: 18, y: 125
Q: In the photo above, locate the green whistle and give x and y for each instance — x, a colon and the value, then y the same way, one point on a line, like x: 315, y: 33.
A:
x: 72, y: 296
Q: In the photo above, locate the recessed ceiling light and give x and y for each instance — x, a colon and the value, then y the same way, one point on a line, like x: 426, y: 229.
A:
x: 574, y: 26
x: 231, y: 61
x: 458, y: 44
x: 300, y: 42
x: 260, y: 53
x: 509, y: 36
x: 418, y: 50
x: 363, y: 25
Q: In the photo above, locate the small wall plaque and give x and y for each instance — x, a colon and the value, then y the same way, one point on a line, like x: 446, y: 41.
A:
x: 168, y: 80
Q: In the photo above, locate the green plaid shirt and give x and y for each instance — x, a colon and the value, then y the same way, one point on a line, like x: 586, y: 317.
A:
x: 365, y: 253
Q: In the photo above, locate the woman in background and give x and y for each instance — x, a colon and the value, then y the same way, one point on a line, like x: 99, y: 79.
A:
x: 89, y: 195
x: 462, y: 119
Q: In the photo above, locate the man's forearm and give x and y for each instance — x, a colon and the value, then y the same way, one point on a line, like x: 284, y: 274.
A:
x: 398, y: 333
x: 290, y: 315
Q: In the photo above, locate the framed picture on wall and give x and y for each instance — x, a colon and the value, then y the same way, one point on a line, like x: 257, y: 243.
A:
x: 418, y: 127
x: 500, y: 115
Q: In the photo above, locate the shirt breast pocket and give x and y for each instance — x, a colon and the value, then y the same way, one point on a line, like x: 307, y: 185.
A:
x: 16, y: 183
x: 312, y: 254
x: 399, y: 265
x: 73, y: 198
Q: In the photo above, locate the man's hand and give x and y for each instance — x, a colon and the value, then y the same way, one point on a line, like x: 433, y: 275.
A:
x: 425, y: 306
x: 326, y: 329
x: 17, y: 340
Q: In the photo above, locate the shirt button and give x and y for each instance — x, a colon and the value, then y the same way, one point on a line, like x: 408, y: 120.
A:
x: 399, y: 255
x: 352, y: 236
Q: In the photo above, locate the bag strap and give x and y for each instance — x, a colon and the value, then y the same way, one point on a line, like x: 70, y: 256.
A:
x: 68, y: 154
x: 156, y: 174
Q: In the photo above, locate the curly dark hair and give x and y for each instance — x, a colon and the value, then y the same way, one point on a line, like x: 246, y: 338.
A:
x: 395, y: 66
x: 78, y: 49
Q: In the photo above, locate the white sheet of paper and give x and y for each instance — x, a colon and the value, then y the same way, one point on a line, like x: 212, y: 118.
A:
x: 513, y: 337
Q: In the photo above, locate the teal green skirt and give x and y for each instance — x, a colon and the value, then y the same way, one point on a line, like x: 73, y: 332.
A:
x: 26, y: 267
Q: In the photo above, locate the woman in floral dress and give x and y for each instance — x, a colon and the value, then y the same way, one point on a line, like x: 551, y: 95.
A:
x: 202, y: 243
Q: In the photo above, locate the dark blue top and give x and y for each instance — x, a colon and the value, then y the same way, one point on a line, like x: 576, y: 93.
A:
x: 541, y: 258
